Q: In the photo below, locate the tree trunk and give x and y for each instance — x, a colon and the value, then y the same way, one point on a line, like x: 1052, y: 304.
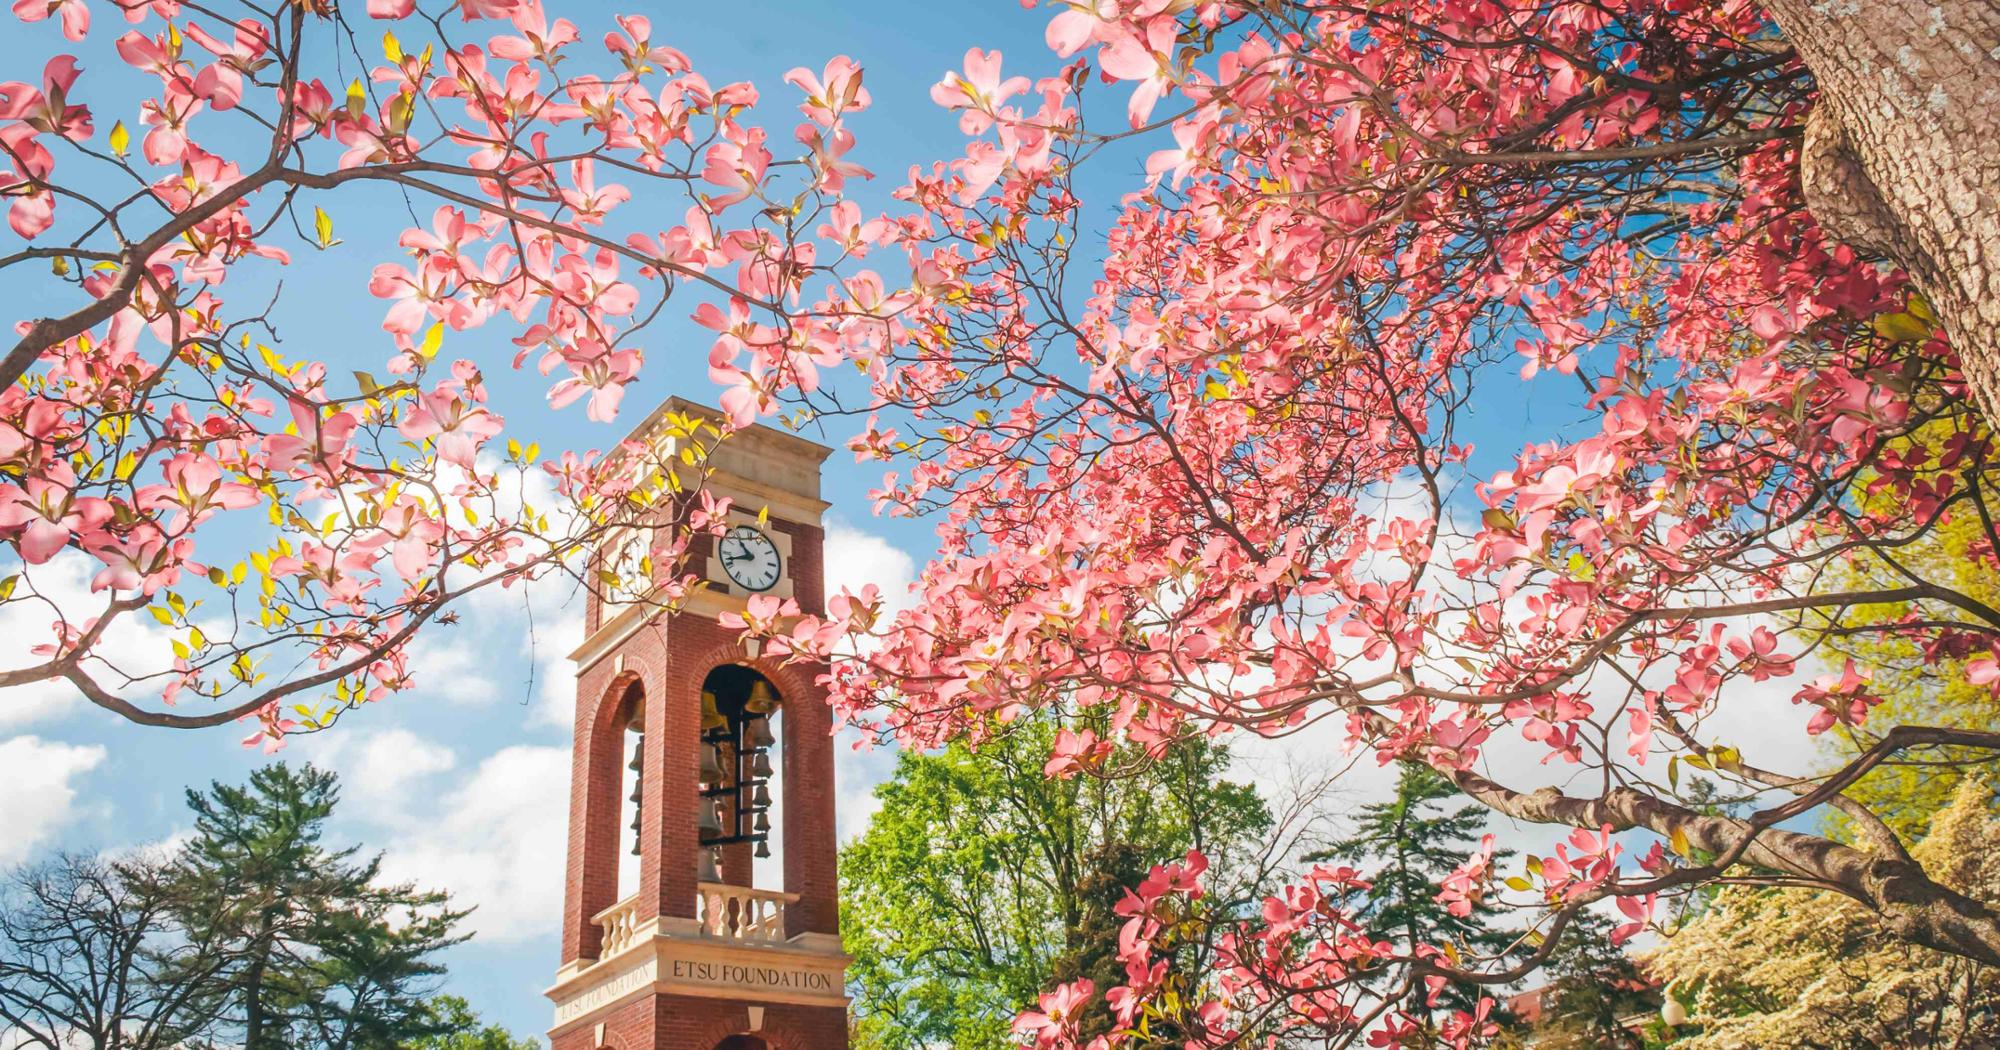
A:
x: 1902, y: 153
x: 1912, y: 906
x: 253, y: 987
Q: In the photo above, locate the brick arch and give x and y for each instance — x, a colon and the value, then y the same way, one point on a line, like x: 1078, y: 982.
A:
x: 600, y: 754
x: 610, y: 698
x: 614, y: 1041
x: 777, y: 1033
x: 790, y: 680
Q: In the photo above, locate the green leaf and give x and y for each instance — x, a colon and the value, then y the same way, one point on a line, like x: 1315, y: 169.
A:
x: 1902, y: 328
x: 323, y: 228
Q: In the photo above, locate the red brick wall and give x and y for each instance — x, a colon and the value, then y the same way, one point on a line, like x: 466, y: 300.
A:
x: 666, y: 663
x: 690, y: 1023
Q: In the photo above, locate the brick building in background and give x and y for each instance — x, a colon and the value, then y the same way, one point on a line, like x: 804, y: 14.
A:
x: 677, y: 729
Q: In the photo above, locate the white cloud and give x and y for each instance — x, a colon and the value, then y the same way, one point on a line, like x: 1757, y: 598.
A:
x: 857, y: 772
x: 855, y: 559
x: 380, y: 772
x: 165, y: 846
x: 60, y: 589
x: 494, y: 842
x: 446, y: 663
x: 555, y: 676
x: 40, y: 797
x: 492, y: 836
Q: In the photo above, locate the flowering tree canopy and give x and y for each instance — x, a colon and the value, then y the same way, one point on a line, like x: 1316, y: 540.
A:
x: 293, y: 528
x: 1223, y: 479
x: 1216, y: 474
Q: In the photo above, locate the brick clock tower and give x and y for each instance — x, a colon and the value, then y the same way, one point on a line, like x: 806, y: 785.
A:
x: 677, y: 729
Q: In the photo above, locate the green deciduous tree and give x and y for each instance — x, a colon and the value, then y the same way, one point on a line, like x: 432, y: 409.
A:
x: 1921, y: 681
x: 980, y: 879
x: 464, y: 1031
x: 91, y: 955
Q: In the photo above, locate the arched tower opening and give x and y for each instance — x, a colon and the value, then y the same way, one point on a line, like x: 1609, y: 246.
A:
x: 630, y: 729
x: 739, y: 770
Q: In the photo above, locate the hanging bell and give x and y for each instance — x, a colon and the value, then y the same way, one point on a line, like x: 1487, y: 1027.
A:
x: 638, y: 752
x: 638, y: 792
x: 711, y: 715
x: 758, y: 733
x: 760, y: 765
x: 762, y: 799
x: 711, y: 764
x: 708, y: 872
x: 763, y: 700
x: 711, y: 821
x: 763, y: 849
x: 763, y: 820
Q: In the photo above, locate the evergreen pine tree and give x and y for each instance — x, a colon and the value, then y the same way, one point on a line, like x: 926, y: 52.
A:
x: 325, y: 955
x: 1594, y: 986
x: 1404, y: 848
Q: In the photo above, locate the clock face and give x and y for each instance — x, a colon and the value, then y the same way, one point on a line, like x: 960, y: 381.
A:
x: 750, y: 558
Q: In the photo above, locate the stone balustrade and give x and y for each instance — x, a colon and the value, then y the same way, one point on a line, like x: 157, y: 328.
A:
x: 620, y: 923
x: 740, y: 913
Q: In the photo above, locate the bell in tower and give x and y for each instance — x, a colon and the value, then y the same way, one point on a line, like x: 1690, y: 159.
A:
x: 739, y: 736
x: 731, y: 768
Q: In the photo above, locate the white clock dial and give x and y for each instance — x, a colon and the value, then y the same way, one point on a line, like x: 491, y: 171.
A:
x: 750, y: 558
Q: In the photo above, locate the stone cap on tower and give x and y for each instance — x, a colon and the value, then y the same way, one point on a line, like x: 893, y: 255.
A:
x: 756, y: 466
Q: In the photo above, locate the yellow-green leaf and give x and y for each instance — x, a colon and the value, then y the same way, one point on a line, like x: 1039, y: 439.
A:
x: 1902, y: 328
x: 323, y: 227
x: 121, y: 139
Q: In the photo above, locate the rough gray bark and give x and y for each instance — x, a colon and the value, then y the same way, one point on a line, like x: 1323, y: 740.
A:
x: 1911, y: 905
x: 1902, y: 153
